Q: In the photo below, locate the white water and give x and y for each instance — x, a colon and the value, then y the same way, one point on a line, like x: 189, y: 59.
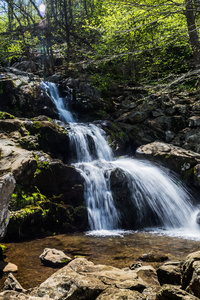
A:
x: 152, y: 189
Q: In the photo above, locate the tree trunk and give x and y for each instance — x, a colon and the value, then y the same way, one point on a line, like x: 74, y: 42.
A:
x: 10, y: 15
x: 192, y: 31
x: 67, y: 29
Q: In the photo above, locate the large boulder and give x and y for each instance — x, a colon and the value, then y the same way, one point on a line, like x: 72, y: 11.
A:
x: 7, y: 186
x: 175, y: 158
x: 82, y: 279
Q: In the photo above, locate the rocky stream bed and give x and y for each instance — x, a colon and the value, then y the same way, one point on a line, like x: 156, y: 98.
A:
x: 48, y: 192
x: 144, y: 266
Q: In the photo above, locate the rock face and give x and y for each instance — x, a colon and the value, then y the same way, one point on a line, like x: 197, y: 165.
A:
x: 7, y: 186
x: 52, y: 190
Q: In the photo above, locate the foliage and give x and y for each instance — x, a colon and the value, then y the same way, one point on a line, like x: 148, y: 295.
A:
x: 125, y: 41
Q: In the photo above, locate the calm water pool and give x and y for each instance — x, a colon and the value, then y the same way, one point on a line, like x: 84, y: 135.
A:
x: 118, y: 251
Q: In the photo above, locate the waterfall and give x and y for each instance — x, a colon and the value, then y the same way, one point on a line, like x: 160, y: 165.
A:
x: 52, y: 91
x: 154, y: 196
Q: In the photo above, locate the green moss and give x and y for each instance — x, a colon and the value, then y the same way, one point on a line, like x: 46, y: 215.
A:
x: 3, y: 248
x: 22, y: 199
x: 5, y: 115
x: 27, y: 143
x: 37, y: 125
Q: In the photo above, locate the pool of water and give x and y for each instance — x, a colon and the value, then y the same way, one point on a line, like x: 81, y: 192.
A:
x: 119, y: 250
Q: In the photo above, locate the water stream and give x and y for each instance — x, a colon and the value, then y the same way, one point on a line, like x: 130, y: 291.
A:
x: 150, y: 196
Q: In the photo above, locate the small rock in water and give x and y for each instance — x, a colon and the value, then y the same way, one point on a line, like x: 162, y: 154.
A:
x: 54, y: 258
x: 153, y: 257
x: 135, y: 266
x: 8, y: 267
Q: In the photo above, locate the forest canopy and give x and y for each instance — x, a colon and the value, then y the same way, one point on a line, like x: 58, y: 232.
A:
x: 126, y: 41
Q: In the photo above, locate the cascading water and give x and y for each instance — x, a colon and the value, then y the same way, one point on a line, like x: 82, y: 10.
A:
x: 154, y: 196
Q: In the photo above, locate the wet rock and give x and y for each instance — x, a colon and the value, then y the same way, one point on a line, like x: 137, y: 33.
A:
x: 11, y: 283
x: 153, y: 257
x: 54, y: 258
x: 174, y: 293
x: 7, y: 186
x: 191, y: 270
x: 170, y: 273
x: 175, y: 158
x: 13, y: 295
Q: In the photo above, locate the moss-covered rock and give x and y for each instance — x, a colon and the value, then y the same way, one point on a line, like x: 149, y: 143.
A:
x: 46, y: 218
x: 48, y: 137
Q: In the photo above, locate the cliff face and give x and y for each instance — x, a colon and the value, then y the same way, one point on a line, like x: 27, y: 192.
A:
x: 7, y: 186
